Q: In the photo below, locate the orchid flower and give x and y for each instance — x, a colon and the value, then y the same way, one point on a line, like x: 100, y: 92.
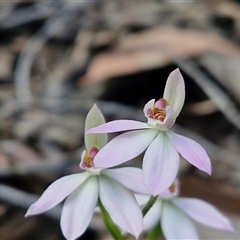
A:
x: 161, y: 159
x: 174, y: 215
x: 82, y: 190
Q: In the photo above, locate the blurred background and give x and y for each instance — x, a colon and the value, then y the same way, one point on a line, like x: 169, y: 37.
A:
x: 58, y: 58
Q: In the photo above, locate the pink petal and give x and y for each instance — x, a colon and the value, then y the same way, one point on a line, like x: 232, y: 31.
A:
x: 160, y: 164
x: 56, y: 192
x: 124, y: 147
x: 203, y: 212
x: 130, y: 177
x: 78, y: 209
x: 118, y: 126
x: 121, y: 205
x: 174, y: 91
x: 148, y: 105
x: 193, y: 152
x: 176, y: 224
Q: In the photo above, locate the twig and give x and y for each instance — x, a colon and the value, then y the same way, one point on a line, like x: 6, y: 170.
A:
x: 38, y: 11
x: 24, y: 200
x: 22, y: 72
x: 215, y: 93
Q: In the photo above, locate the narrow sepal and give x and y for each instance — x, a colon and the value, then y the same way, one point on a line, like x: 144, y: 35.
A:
x: 203, y: 212
x: 130, y: 177
x: 160, y: 164
x: 121, y: 205
x: 124, y: 147
x: 56, y: 192
x: 118, y: 126
x: 192, y: 151
x: 174, y: 91
x: 94, y: 118
x: 175, y: 223
x: 78, y: 209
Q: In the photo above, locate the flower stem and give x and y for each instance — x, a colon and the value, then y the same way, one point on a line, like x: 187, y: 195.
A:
x: 110, y: 225
x: 149, y: 204
x: 155, y: 233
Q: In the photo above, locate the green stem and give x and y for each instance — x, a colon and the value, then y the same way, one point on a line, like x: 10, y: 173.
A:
x: 149, y: 204
x: 111, y: 226
x: 155, y: 232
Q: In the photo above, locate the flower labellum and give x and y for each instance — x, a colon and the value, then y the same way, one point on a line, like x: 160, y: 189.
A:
x: 158, y: 111
x: 88, y: 158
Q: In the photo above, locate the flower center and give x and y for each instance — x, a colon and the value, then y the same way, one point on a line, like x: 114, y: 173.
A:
x: 158, y: 114
x: 88, y: 158
x: 159, y: 110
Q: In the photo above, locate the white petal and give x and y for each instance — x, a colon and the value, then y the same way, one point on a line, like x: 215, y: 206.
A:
x: 175, y: 223
x: 118, y: 126
x: 121, y: 205
x: 124, y: 147
x: 192, y: 151
x: 160, y: 164
x: 56, y: 192
x: 94, y: 118
x: 130, y: 177
x: 142, y: 198
x: 174, y: 91
x: 78, y: 209
x: 203, y: 212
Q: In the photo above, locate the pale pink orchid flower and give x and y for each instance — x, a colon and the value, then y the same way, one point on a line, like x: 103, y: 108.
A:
x: 114, y: 187
x: 163, y: 146
x: 175, y: 215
